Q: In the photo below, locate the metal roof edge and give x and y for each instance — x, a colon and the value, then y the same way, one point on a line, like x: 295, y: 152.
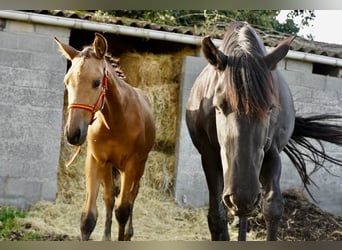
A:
x: 143, y: 33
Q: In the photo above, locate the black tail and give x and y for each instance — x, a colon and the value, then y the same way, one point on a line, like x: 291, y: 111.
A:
x: 318, y: 128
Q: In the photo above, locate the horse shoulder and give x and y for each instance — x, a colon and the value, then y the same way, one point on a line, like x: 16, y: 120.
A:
x: 204, y: 87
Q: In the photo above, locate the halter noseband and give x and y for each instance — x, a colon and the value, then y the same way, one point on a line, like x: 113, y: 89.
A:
x: 99, y: 104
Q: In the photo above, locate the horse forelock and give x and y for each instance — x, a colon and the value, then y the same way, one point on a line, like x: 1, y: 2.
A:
x: 249, y: 83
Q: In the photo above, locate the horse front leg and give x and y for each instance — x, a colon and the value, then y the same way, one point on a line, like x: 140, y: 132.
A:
x: 217, y: 214
x: 130, y: 181
x: 273, y: 202
x: 243, y: 224
x: 90, y: 213
x: 109, y: 199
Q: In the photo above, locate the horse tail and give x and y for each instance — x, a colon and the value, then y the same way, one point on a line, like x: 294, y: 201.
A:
x: 300, y: 149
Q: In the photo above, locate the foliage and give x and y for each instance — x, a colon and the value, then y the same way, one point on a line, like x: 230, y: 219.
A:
x: 217, y: 19
x: 10, y: 228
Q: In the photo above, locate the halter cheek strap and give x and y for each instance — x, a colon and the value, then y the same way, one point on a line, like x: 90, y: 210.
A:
x: 99, y: 104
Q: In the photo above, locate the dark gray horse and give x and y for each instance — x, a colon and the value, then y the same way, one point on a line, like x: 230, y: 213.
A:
x: 240, y: 116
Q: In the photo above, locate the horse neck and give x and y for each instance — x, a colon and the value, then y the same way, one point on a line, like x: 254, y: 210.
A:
x: 116, y: 99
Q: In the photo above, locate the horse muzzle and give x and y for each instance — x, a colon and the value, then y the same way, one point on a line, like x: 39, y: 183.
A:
x: 241, y: 206
x: 77, y: 135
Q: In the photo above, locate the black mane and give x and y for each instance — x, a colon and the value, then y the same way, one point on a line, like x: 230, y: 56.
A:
x: 248, y: 78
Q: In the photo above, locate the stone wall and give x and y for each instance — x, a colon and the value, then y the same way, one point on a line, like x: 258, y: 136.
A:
x: 31, y: 104
x: 313, y: 94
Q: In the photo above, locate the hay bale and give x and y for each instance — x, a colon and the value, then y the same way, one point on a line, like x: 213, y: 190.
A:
x: 159, y: 171
x: 164, y: 101
x: 71, y: 182
x: 146, y: 69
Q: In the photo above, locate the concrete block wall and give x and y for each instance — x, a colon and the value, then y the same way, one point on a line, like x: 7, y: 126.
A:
x: 316, y: 94
x: 190, y: 185
x: 313, y: 94
x: 31, y: 104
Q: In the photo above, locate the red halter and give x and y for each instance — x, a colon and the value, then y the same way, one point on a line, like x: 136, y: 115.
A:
x: 99, y: 102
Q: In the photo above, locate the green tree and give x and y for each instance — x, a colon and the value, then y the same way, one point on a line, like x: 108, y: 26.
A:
x: 217, y: 19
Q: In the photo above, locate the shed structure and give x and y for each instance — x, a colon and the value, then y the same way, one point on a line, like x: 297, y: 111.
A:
x: 32, y: 99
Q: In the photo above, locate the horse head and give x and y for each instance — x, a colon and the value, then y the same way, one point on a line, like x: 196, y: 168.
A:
x: 245, y: 101
x: 86, y: 82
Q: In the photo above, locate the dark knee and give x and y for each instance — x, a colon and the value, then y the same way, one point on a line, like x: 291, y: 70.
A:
x: 218, y: 228
x: 88, y: 222
x: 273, y: 207
x: 122, y: 213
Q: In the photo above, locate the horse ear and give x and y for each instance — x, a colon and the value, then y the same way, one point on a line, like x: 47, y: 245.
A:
x: 68, y: 51
x: 278, y: 53
x: 214, y: 56
x: 100, y: 45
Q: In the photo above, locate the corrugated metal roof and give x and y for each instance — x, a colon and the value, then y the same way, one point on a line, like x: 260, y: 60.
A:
x: 270, y: 37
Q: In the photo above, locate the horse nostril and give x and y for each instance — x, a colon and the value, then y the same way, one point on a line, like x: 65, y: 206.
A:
x: 74, y: 136
x: 257, y: 200
x: 238, y: 205
x: 229, y: 202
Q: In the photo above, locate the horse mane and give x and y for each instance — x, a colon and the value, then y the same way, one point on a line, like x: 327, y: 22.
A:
x: 250, y: 88
x: 113, y: 61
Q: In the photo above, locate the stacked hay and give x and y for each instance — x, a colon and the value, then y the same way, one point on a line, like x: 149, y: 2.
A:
x: 159, y: 77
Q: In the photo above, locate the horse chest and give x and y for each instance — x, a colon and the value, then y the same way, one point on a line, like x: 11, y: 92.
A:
x: 111, y: 148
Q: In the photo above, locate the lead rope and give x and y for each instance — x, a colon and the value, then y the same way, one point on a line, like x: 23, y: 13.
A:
x: 78, y: 149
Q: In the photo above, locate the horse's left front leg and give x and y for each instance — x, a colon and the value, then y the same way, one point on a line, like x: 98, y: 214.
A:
x: 273, y: 202
x: 130, y: 181
x: 108, y: 198
x: 243, y: 224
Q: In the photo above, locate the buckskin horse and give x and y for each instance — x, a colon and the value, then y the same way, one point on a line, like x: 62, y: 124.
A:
x: 117, y: 121
x: 240, y: 116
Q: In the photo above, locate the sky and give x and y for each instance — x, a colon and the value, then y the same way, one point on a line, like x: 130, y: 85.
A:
x: 326, y: 27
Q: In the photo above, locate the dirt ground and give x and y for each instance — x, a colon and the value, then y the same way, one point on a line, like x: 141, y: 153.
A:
x: 156, y: 217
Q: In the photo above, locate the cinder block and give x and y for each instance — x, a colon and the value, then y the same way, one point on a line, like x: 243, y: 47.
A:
x: 2, y: 185
x: 49, y: 191
x: 16, y: 26
x: 297, y: 78
x: 31, y: 103
x: 9, y: 40
x: 36, y: 43
x: 56, y: 62
x: 334, y: 84
x: 14, y: 58
x: 61, y: 32
x: 296, y: 65
x: 190, y: 184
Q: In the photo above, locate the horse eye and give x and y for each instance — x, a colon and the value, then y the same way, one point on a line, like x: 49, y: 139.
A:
x: 96, y: 84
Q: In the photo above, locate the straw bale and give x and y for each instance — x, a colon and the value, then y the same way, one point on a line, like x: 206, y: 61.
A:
x: 164, y: 101
x: 70, y: 180
x: 159, y: 171
x: 146, y: 69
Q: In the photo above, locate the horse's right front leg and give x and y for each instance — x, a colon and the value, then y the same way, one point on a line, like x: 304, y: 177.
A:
x: 90, y: 213
x: 217, y: 215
